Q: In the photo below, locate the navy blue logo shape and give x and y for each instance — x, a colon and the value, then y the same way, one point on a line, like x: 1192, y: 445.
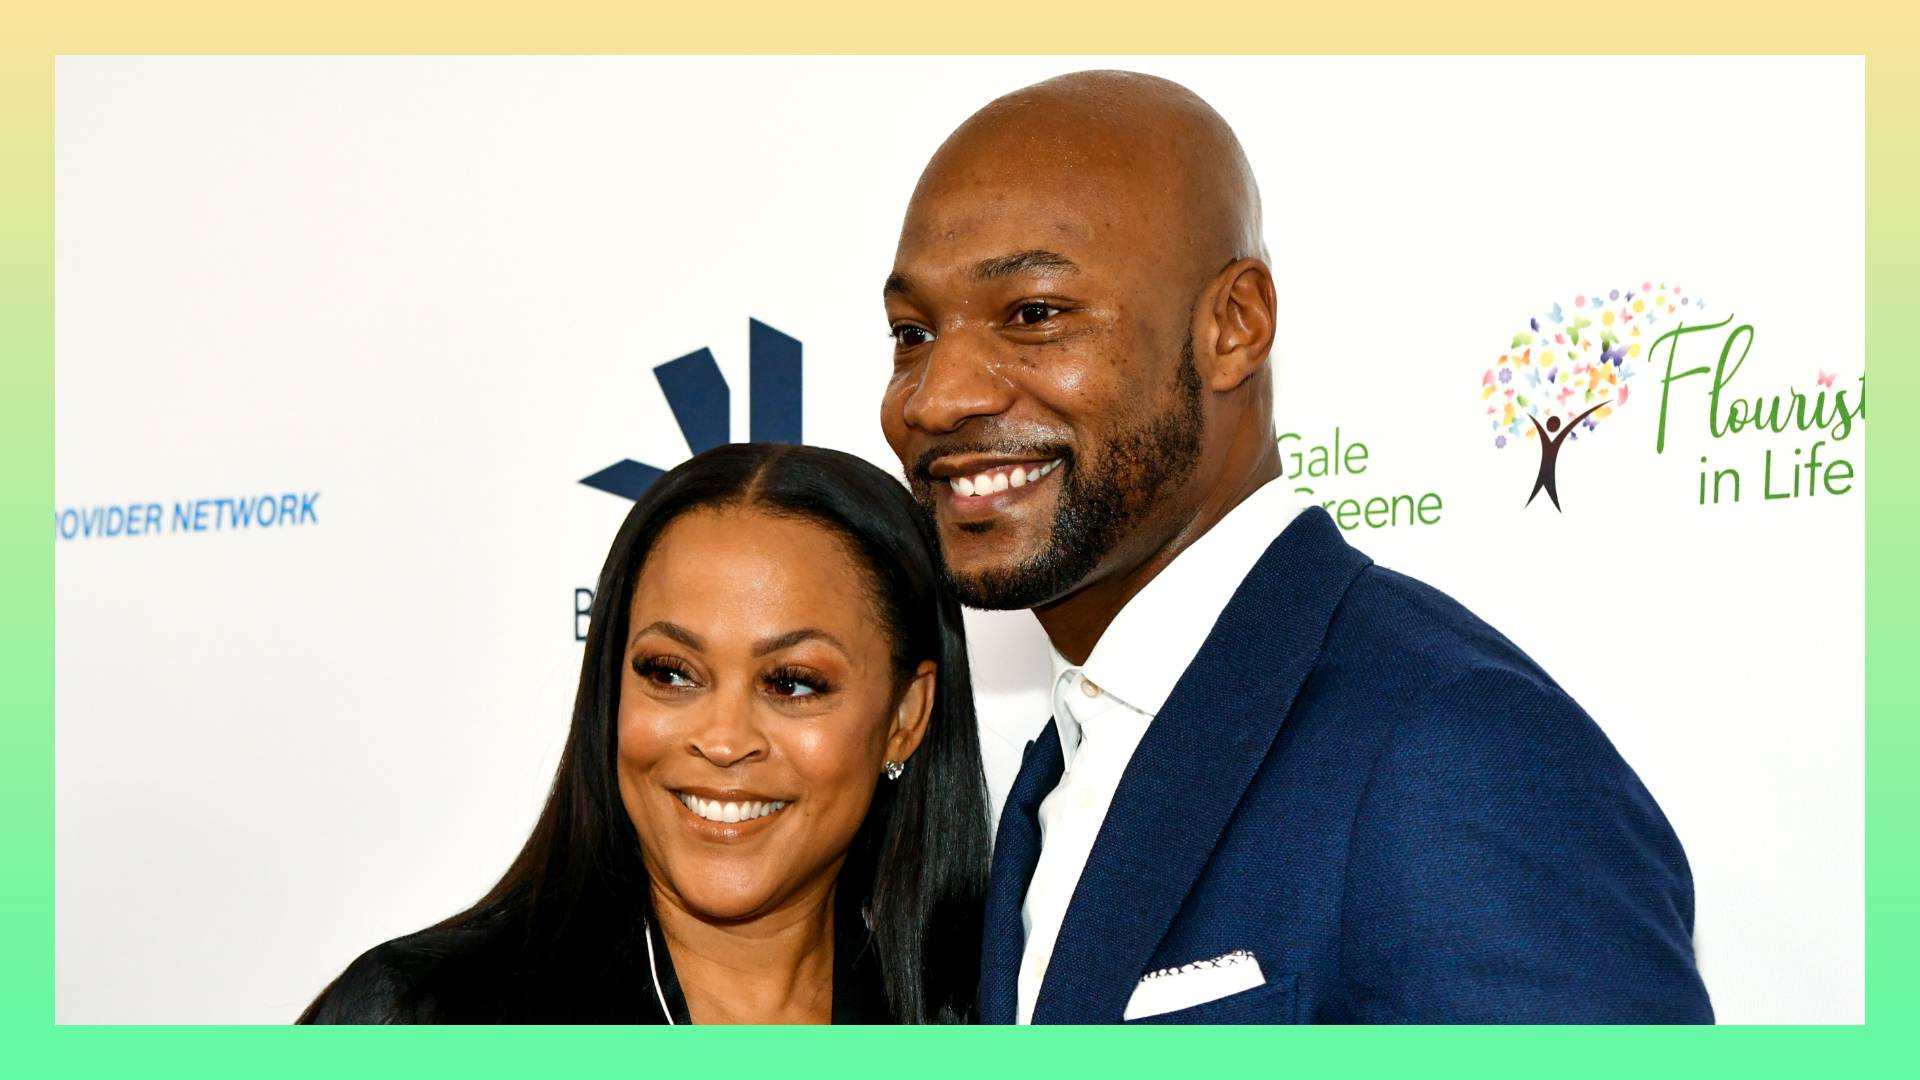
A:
x: 697, y: 393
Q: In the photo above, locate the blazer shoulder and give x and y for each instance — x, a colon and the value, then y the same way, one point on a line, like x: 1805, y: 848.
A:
x: 1398, y: 627
x: 1440, y: 682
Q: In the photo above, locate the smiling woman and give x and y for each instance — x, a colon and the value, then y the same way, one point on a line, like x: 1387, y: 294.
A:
x: 770, y: 808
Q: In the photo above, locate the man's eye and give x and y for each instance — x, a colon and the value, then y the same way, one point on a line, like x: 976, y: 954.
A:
x: 909, y: 336
x: 1033, y: 313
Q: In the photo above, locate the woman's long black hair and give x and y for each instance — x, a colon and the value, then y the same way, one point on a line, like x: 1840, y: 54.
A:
x: 918, y: 865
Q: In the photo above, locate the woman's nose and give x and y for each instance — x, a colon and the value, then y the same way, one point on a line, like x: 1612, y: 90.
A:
x: 728, y: 733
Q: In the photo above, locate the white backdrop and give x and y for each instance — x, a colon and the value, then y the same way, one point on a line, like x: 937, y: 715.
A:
x: 428, y: 294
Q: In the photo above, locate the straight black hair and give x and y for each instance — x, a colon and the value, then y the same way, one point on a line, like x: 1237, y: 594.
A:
x: 918, y: 865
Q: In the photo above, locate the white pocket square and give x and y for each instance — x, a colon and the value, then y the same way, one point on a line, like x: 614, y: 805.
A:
x: 1175, y: 988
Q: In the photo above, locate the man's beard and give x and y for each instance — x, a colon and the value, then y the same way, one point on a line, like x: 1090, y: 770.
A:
x: 1097, y: 509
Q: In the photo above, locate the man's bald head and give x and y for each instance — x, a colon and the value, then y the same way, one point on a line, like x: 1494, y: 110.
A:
x: 1080, y: 298
x: 1141, y: 145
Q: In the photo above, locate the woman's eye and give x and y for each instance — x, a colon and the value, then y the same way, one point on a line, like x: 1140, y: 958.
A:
x: 1033, y: 313
x: 794, y: 684
x: 662, y: 674
x: 909, y: 336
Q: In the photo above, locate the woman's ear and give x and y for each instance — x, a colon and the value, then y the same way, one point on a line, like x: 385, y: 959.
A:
x: 910, y: 716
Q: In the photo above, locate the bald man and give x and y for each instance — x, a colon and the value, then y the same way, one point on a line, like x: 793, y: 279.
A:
x: 1280, y: 784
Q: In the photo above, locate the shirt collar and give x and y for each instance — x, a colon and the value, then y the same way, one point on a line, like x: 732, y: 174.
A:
x: 1153, y: 639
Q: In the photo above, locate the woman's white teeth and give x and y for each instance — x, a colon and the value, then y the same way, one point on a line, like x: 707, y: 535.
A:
x: 998, y: 480
x: 715, y: 810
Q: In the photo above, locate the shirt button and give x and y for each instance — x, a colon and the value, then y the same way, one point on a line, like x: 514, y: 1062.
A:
x: 1089, y: 687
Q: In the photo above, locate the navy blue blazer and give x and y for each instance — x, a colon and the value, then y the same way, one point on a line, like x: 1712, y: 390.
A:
x: 1396, y: 811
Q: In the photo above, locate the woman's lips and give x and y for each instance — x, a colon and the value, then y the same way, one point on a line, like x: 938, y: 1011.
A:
x: 729, y: 811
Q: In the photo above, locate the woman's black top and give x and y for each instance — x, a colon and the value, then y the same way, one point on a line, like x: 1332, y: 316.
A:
x: 484, y: 973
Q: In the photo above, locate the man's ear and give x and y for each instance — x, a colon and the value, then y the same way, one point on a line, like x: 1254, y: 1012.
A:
x: 910, y: 716
x: 1243, y: 312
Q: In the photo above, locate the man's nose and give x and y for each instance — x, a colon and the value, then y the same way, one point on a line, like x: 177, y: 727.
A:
x: 728, y: 732
x: 957, y: 383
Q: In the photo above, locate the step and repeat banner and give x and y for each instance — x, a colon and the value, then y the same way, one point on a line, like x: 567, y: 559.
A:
x: 356, y: 356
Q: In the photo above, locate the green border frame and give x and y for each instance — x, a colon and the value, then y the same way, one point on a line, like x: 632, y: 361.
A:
x: 30, y: 1043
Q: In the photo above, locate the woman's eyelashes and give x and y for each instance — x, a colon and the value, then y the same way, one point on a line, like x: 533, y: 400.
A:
x: 791, y: 681
x: 664, y: 672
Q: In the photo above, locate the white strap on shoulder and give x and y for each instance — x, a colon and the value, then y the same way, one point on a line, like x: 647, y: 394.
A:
x: 653, y: 968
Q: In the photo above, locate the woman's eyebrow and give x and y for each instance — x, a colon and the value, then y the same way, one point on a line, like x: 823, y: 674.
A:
x: 673, y: 630
x: 795, y: 637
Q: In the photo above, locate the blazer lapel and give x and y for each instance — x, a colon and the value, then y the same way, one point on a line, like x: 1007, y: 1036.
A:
x: 1188, y: 775
x: 1016, y: 851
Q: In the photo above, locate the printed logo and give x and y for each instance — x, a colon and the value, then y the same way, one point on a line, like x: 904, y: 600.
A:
x: 1567, y: 372
x: 697, y: 393
x: 1827, y: 415
x: 276, y: 511
x: 1340, y: 464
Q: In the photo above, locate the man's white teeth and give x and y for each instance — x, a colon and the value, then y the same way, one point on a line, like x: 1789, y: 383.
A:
x: 715, y: 810
x: 998, y: 480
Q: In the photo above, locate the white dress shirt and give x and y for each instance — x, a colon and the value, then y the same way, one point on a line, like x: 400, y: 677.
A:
x: 1102, y: 708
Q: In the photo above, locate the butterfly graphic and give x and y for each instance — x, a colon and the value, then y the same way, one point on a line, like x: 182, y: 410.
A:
x: 1555, y: 314
x: 1826, y: 378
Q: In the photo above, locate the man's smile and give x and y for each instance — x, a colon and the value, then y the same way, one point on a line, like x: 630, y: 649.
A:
x: 981, y: 492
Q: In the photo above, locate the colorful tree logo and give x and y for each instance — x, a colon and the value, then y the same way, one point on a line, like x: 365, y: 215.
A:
x: 1567, y: 371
